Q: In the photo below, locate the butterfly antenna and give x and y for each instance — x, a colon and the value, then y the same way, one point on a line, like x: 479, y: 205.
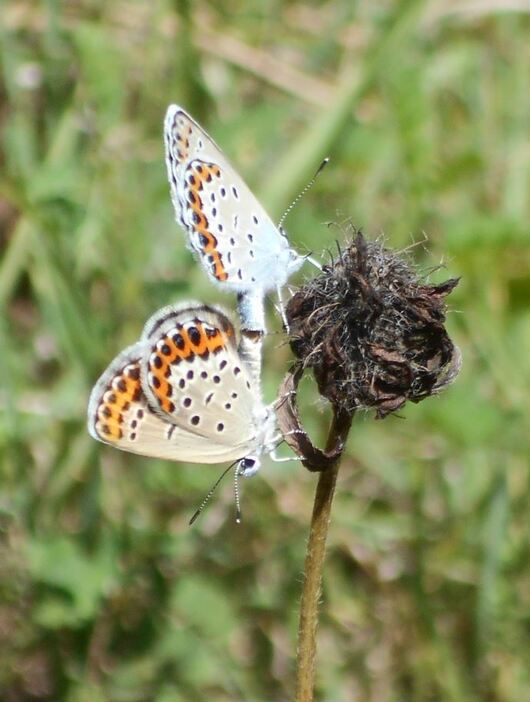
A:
x: 210, y: 493
x: 239, y: 516
x: 303, y: 191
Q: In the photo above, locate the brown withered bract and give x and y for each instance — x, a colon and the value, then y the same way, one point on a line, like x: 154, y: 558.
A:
x: 372, y: 333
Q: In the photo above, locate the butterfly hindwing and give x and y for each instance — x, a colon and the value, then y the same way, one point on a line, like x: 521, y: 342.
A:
x: 194, y: 377
x: 120, y: 415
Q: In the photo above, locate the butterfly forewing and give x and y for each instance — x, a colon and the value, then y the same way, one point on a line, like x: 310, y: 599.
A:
x: 237, y: 242
x: 119, y: 415
x: 194, y: 377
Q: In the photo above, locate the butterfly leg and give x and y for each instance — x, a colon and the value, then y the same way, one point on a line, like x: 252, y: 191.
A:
x: 314, y: 262
x: 284, y: 459
x: 282, y: 309
x: 280, y: 438
x: 284, y: 397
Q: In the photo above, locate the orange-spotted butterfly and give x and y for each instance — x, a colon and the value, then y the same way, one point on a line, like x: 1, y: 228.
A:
x: 183, y: 392
x: 235, y: 240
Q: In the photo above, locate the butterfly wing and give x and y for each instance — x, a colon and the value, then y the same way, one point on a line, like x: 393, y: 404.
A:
x: 194, y: 377
x: 119, y: 415
x: 236, y: 241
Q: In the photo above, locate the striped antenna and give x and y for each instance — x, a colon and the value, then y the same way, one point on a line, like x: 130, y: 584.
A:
x: 210, y: 493
x: 239, y: 516
x: 303, y: 192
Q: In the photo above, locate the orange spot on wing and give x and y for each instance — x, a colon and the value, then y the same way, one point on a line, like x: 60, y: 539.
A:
x: 167, y: 353
x: 202, y: 173
x: 201, y: 347
x: 164, y: 390
x: 215, y: 341
x: 183, y: 132
x: 123, y: 390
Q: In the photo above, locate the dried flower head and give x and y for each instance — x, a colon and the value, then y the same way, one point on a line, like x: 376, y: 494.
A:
x: 372, y: 332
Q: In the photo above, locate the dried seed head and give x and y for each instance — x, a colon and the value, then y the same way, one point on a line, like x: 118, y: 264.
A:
x: 372, y: 333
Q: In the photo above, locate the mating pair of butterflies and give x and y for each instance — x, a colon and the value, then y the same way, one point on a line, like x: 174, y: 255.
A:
x: 184, y: 391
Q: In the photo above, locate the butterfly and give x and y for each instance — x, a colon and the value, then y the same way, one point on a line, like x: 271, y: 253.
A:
x: 235, y: 240
x: 184, y: 393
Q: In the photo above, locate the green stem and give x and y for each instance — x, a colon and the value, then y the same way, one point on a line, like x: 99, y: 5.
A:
x: 314, y: 564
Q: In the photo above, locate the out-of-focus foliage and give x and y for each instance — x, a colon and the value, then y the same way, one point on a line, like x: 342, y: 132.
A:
x: 105, y: 593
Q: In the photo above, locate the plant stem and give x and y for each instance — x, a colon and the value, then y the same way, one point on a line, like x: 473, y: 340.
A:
x: 314, y: 564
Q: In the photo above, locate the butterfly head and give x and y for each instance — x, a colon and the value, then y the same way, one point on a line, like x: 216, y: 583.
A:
x: 248, y: 466
x: 267, y: 439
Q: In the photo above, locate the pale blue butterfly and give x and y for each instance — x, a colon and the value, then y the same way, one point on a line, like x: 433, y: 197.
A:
x: 236, y: 242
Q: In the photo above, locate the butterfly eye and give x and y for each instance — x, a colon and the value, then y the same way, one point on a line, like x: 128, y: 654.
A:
x: 248, y: 466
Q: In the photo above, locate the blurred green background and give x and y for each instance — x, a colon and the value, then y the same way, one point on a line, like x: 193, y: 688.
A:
x: 105, y: 593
